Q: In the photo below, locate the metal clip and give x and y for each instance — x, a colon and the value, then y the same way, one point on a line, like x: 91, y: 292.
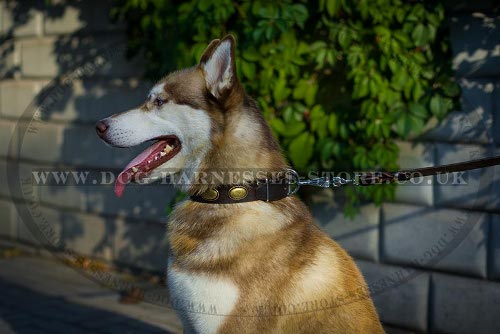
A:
x: 323, y: 182
x: 338, y: 181
x: 295, y: 181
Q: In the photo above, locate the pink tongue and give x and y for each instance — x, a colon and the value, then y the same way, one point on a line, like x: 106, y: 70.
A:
x: 126, y: 175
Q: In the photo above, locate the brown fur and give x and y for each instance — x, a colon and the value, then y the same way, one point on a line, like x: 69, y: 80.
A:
x: 267, y: 266
x: 272, y: 251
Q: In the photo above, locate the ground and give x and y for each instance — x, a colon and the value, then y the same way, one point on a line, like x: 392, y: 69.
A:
x: 41, y: 295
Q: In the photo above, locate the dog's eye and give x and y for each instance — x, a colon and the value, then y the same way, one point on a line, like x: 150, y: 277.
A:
x: 159, y: 102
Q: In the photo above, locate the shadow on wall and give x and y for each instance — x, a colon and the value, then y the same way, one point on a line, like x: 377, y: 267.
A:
x: 93, y: 80
x: 476, y: 52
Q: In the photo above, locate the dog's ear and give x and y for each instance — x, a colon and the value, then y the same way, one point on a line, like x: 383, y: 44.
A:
x: 218, y: 66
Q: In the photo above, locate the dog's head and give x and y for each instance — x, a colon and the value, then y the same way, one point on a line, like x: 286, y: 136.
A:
x: 183, y: 116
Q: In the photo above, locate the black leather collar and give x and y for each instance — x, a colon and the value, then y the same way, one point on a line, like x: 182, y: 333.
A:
x: 268, y: 191
x: 239, y: 193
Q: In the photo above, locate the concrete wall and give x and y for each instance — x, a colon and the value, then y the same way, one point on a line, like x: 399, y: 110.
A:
x: 432, y: 258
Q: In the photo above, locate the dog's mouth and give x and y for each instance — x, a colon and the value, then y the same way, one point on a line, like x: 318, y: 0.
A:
x: 164, y: 149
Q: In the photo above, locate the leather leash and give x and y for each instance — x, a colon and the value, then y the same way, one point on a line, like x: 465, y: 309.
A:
x: 370, y: 178
x: 266, y: 190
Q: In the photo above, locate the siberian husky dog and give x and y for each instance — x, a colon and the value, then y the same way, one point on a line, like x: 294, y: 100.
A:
x: 251, y: 267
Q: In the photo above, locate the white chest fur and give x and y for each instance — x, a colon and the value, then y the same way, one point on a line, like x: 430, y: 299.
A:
x: 203, y: 302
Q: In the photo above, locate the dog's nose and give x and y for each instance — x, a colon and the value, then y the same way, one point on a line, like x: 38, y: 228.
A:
x: 101, y: 127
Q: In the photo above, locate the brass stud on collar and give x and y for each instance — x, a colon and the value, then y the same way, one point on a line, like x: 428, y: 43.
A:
x: 238, y: 193
x: 210, y: 195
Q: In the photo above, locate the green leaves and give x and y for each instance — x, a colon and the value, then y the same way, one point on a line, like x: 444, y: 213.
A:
x: 400, y: 78
x: 289, y: 129
x: 301, y: 150
x: 331, y: 6
x: 418, y: 110
x: 306, y: 90
x: 333, y: 125
x: 327, y: 149
x: 419, y: 35
x: 344, y: 38
x: 337, y: 80
x: 404, y: 125
x: 248, y: 69
x: 299, y: 14
x: 318, y: 121
x: 411, y: 122
x: 440, y: 105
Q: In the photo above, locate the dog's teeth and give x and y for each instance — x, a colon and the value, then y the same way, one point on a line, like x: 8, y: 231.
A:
x: 135, y: 169
x: 162, y: 154
x: 167, y: 149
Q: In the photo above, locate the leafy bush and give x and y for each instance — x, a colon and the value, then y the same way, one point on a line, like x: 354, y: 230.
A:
x: 337, y: 80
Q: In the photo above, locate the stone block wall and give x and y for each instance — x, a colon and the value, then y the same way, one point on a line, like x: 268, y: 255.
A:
x: 444, y: 231
x: 435, y: 251
x: 40, y: 45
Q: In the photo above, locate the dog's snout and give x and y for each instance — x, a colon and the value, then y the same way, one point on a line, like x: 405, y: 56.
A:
x: 101, y: 127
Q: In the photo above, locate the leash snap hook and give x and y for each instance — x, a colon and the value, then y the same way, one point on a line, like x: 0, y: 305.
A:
x: 323, y: 182
x: 295, y: 181
x: 338, y: 181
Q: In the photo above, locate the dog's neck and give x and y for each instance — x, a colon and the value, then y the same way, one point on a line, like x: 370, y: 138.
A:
x: 244, y: 151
